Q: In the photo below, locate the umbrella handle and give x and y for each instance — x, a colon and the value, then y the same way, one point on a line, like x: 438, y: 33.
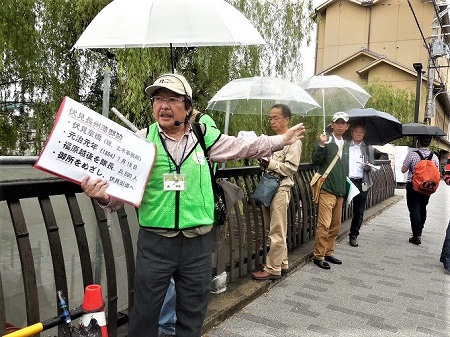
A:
x: 323, y: 108
x: 172, y: 61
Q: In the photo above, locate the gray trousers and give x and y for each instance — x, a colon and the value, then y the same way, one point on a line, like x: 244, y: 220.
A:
x: 158, y: 258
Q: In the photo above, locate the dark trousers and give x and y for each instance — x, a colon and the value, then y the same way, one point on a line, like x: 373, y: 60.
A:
x: 417, y: 206
x: 445, y: 255
x: 359, y: 205
x: 158, y: 258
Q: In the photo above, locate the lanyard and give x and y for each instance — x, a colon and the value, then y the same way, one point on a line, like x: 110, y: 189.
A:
x: 177, y: 166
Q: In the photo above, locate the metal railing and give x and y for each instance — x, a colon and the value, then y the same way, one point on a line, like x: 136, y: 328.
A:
x: 50, y: 232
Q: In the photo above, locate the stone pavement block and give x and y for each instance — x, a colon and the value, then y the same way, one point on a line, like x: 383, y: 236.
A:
x: 385, y: 287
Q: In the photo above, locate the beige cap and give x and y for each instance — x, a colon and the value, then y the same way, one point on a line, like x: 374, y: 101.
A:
x: 340, y: 115
x: 174, y: 82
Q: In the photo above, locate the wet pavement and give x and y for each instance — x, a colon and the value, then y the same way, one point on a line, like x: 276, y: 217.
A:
x: 385, y: 287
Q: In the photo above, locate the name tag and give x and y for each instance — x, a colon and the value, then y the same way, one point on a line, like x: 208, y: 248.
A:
x: 174, y: 182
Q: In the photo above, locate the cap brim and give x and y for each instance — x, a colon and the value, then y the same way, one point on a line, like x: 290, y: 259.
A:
x: 152, y: 88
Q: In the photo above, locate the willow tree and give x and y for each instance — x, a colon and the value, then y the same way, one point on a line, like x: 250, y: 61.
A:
x: 39, y: 67
x: 398, y: 102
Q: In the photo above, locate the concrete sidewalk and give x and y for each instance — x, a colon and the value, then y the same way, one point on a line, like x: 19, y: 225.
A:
x: 385, y: 287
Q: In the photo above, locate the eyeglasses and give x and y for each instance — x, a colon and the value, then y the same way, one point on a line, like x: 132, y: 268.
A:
x: 170, y: 100
x: 275, y: 118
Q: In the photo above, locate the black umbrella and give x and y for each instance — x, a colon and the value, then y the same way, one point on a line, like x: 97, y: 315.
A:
x: 418, y: 129
x: 381, y: 127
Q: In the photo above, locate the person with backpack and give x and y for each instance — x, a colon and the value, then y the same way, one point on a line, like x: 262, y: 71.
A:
x: 423, y: 178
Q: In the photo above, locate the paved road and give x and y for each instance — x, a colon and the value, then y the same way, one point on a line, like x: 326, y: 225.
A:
x: 385, y: 287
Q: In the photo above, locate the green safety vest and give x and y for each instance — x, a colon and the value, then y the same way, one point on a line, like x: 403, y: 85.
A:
x: 178, y: 210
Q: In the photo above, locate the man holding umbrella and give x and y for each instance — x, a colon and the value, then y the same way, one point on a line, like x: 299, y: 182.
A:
x: 417, y: 202
x: 177, y: 209
x: 331, y: 154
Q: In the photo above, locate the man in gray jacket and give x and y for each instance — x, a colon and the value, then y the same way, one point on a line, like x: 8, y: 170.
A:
x: 360, y: 175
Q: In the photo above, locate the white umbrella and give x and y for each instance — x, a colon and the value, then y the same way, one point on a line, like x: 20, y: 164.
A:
x: 246, y: 96
x: 168, y: 23
x: 335, y: 93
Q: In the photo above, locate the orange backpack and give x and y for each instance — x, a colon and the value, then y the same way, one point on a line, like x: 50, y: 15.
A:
x: 426, y: 176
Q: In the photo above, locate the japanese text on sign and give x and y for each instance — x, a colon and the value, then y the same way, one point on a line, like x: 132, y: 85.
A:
x: 89, y: 144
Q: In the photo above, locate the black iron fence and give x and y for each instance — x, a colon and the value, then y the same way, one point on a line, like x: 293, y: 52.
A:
x: 52, y: 237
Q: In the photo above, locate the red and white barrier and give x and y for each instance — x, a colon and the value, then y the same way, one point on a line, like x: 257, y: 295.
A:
x: 94, y: 307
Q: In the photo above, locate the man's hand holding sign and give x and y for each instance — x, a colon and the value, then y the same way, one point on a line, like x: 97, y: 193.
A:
x: 86, y: 147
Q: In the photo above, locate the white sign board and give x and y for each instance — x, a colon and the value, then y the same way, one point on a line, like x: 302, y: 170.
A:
x: 400, y: 155
x: 84, y: 143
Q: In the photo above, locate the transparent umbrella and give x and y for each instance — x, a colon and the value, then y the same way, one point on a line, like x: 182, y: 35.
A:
x: 334, y: 93
x: 168, y: 23
x: 247, y: 95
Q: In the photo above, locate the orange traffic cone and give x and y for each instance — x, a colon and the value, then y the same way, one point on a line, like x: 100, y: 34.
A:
x: 94, y: 307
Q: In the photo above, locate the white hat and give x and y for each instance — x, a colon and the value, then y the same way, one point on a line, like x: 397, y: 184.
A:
x: 340, y: 115
x: 174, y: 82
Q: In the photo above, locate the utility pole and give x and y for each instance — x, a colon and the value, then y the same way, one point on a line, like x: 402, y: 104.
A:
x: 439, y: 48
x: 418, y: 68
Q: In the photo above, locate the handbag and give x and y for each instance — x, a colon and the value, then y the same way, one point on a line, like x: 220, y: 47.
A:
x: 318, y: 180
x: 266, y: 189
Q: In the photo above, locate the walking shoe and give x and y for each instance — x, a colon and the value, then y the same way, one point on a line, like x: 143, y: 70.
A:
x: 333, y: 259
x: 322, y: 264
x: 284, y: 271
x: 264, y: 275
x: 447, y: 269
x: 353, y: 242
x: 162, y: 334
x: 415, y: 240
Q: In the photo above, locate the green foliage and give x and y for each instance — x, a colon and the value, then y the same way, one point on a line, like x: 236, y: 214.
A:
x: 399, y: 103
x: 10, y: 135
x: 38, y: 66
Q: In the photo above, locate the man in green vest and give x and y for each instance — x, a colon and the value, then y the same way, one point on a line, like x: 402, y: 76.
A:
x: 176, y: 219
x: 168, y: 316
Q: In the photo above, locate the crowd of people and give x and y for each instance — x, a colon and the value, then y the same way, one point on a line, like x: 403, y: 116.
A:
x: 173, y: 259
